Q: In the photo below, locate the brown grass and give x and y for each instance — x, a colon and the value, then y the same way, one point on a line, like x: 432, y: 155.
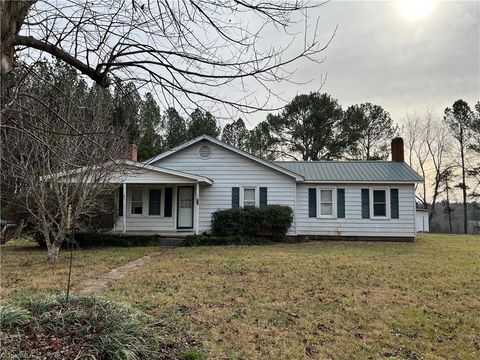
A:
x: 337, y: 300
x: 24, y: 268
x: 320, y: 299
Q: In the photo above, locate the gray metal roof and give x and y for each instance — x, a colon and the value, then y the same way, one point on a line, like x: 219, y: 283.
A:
x: 354, y: 171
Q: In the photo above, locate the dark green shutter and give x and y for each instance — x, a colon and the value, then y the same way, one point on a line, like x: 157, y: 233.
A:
x: 235, y: 197
x: 340, y: 203
x: 365, y: 203
x: 120, y: 201
x: 312, y: 202
x: 263, y: 197
x: 394, y: 203
x: 167, y: 206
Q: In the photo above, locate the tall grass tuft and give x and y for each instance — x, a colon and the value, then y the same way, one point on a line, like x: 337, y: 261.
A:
x: 83, y: 327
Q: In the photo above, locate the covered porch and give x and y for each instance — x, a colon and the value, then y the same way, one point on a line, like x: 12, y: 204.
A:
x: 157, y: 201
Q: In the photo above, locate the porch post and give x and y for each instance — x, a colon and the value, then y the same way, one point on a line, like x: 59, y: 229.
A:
x: 197, y: 206
x: 124, y: 230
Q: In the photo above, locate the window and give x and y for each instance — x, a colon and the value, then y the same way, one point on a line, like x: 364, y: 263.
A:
x: 326, y: 202
x: 137, y: 202
x: 249, y: 197
x: 379, y: 203
x: 154, y: 205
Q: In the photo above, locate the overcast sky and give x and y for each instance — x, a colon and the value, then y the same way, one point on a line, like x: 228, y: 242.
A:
x: 381, y: 56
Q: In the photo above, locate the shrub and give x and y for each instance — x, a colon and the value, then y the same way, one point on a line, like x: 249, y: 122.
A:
x: 86, y: 240
x: 84, y: 327
x: 209, y: 240
x: 271, y: 221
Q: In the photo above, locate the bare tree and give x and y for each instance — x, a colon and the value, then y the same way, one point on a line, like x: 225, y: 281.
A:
x: 54, y: 156
x: 416, y: 131
x: 438, y: 141
x: 188, y: 50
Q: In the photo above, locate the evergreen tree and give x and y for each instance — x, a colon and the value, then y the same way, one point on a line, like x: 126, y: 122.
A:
x: 202, y: 122
x: 125, y: 112
x: 175, y: 129
x: 458, y: 118
x: 260, y: 143
x: 313, y: 127
x: 374, y: 128
x: 235, y: 134
x: 150, y: 141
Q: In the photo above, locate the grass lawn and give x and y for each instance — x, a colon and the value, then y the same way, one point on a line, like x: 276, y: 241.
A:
x: 24, y: 268
x: 337, y: 300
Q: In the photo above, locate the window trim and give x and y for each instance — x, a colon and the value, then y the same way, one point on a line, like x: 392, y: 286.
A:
x: 242, y: 195
x: 387, y: 204
x: 130, y: 202
x: 334, y: 202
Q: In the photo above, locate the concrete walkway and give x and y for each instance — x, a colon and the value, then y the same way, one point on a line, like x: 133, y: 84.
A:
x: 101, y: 282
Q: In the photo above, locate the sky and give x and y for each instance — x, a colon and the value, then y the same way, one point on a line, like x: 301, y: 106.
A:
x: 404, y: 62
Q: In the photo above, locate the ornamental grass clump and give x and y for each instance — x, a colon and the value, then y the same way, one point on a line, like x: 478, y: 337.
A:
x: 85, y: 327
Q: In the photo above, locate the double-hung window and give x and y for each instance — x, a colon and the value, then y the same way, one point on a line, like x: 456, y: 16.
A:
x: 154, y: 202
x: 380, y: 203
x: 326, y: 203
x: 249, y: 197
x: 137, y: 202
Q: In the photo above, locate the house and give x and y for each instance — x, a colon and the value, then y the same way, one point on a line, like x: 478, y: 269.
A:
x: 176, y: 192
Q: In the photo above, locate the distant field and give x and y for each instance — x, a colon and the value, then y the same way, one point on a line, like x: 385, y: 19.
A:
x: 312, y: 300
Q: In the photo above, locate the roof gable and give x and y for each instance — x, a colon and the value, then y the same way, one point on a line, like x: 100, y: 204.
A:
x: 228, y: 147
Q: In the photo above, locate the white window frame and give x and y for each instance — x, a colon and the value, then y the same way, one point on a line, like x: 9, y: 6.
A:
x: 242, y: 195
x: 334, y: 202
x: 387, y: 204
x: 130, y: 203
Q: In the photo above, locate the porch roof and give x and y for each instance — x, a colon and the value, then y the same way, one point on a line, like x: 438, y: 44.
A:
x: 135, y: 173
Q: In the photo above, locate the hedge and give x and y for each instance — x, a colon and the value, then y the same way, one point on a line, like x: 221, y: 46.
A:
x: 211, y: 240
x: 270, y: 221
x: 86, y: 240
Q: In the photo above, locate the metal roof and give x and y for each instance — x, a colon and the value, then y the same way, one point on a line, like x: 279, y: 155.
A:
x: 352, y: 171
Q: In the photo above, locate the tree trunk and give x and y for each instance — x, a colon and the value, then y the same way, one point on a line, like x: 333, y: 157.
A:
x: 464, y: 185
x: 12, y: 15
x: 53, y: 250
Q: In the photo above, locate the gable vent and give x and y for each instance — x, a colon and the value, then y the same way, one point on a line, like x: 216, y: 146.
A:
x: 205, y: 151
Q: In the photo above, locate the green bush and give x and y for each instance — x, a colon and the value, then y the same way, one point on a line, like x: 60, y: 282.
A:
x: 83, y: 327
x: 270, y: 221
x: 209, y: 240
x: 87, y: 240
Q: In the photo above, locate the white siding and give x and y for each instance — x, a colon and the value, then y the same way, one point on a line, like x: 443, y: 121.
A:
x: 228, y: 169
x: 422, y: 221
x: 353, y: 224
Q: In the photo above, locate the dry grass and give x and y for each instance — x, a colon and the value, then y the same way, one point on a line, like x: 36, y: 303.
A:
x: 320, y: 299
x: 24, y: 268
x: 313, y: 300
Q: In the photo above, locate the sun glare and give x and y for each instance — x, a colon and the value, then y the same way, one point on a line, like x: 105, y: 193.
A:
x: 416, y: 9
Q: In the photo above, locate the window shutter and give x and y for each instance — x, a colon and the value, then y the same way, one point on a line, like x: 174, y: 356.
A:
x: 394, y: 203
x: 263, y: 197
x: 312, y: 202
x: 341, y: 203
x: 365, y: 203
x: 167, y: 206
x: 235, y: 197
x: 120, y: 201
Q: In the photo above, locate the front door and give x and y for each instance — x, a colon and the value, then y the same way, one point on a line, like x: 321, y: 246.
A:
x: 185, y: 207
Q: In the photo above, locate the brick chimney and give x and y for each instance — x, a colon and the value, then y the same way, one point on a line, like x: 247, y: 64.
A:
x: 132, y: 152
x: 397, y: 149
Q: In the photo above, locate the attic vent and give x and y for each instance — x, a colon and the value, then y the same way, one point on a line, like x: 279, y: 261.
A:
x: 205, y: 151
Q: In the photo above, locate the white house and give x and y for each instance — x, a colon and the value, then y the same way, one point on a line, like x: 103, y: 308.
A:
x: 176, y: 192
